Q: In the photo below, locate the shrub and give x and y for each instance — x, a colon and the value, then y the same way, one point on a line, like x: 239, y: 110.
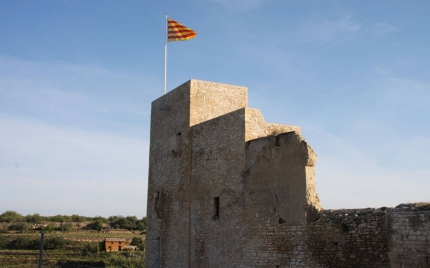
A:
x: 141, y: 226
x: 48, y: 228
x: 54, y: 242
x: 92, y: 247
x: 20, y: 226
x: 102, y: 219
x: 10, y: 216
x: 77, y: 218
x: 66, y: 227
x: 57, y: 218
x: 35, y: 218
x: 25, y: 242
x: 97, y: 225
x: 126, y: 260
x: 136, y: 241
x: 4, y: 241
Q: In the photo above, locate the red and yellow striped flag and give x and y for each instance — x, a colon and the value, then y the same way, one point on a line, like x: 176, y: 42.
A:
x: 178, y: 32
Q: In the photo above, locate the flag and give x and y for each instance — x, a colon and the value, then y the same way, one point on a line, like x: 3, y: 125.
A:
x: 178, y: 32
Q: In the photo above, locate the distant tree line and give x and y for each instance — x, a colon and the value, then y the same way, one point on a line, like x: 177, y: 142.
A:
x: 98, y: 222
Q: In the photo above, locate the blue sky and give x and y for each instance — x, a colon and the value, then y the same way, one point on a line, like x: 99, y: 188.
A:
x: 77, y: 79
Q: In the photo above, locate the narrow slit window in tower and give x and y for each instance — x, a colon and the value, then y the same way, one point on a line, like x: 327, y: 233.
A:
x: 216, y: 208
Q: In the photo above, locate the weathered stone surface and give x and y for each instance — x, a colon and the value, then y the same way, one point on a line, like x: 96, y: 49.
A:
x: 227, y: 189
x: 204, y: 145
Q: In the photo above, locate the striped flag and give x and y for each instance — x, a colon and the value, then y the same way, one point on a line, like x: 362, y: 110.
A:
x: 178, y: 32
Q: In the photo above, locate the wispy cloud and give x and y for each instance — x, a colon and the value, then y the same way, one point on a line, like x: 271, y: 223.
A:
x: 57, y: 91
x: 382, y: 28
x: 333, y: 31
x: 239, y: 4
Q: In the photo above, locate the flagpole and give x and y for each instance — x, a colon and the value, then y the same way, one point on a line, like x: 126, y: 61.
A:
x: 165, y: 56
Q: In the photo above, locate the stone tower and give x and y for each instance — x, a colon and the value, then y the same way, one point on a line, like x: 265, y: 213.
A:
x: 219, y: 176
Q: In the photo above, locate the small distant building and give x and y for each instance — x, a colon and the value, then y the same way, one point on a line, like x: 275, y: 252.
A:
x: 115, y: 244
x: 130, y: 248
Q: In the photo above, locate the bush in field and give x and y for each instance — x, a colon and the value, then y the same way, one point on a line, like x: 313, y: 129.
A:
x: 126, y: 260
x: 114, y: 218
x: 4, y: 241
x: 97, y: 225
x: 10, y: 216
x: 103, y: 219
x: 57, y: 218
x: 35, y: 218
x: 141, y: 226
x: 136, y: 241
x: 54, y: 242
x: 20, y: 226
x: 77, y: 218
x: 48, y: 228
x: 66, y: 227
x: 92, y: 247
x: 25, y: 242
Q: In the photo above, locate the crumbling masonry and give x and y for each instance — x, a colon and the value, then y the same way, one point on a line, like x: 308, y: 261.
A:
x: 227, y: 189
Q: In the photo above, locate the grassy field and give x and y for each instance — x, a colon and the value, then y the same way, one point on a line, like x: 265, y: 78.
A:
x: 68, y: 258
x: 81, y: 250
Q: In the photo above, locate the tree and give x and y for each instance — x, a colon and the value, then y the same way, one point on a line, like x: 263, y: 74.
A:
x: 57, y: 218
x: 77, y: 218
x: 35, y: 218
x: 141, y: 226
x: 10, y: 216
x: 136, y: 241
x: 98, y: 225
x: 114, y: 218
x: 123, y: 223
x: 132, y: 219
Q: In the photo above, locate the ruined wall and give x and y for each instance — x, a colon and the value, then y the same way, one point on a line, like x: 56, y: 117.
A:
x: 384, y: 237
x: 279, y: 178
x: 256, y: 127
x: 343, y: 238
x: 409, y: 238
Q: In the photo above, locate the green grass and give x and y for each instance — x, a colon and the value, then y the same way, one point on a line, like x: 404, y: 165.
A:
x: 70, y: 258
x: 73, y: 253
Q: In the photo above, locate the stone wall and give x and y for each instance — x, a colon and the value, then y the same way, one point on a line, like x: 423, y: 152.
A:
x: 170, y: 183
x: 384, y: 237
x: 256, y: 127
x: 344, y: 238
x: 409, y: 237
x: 227, y: 189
